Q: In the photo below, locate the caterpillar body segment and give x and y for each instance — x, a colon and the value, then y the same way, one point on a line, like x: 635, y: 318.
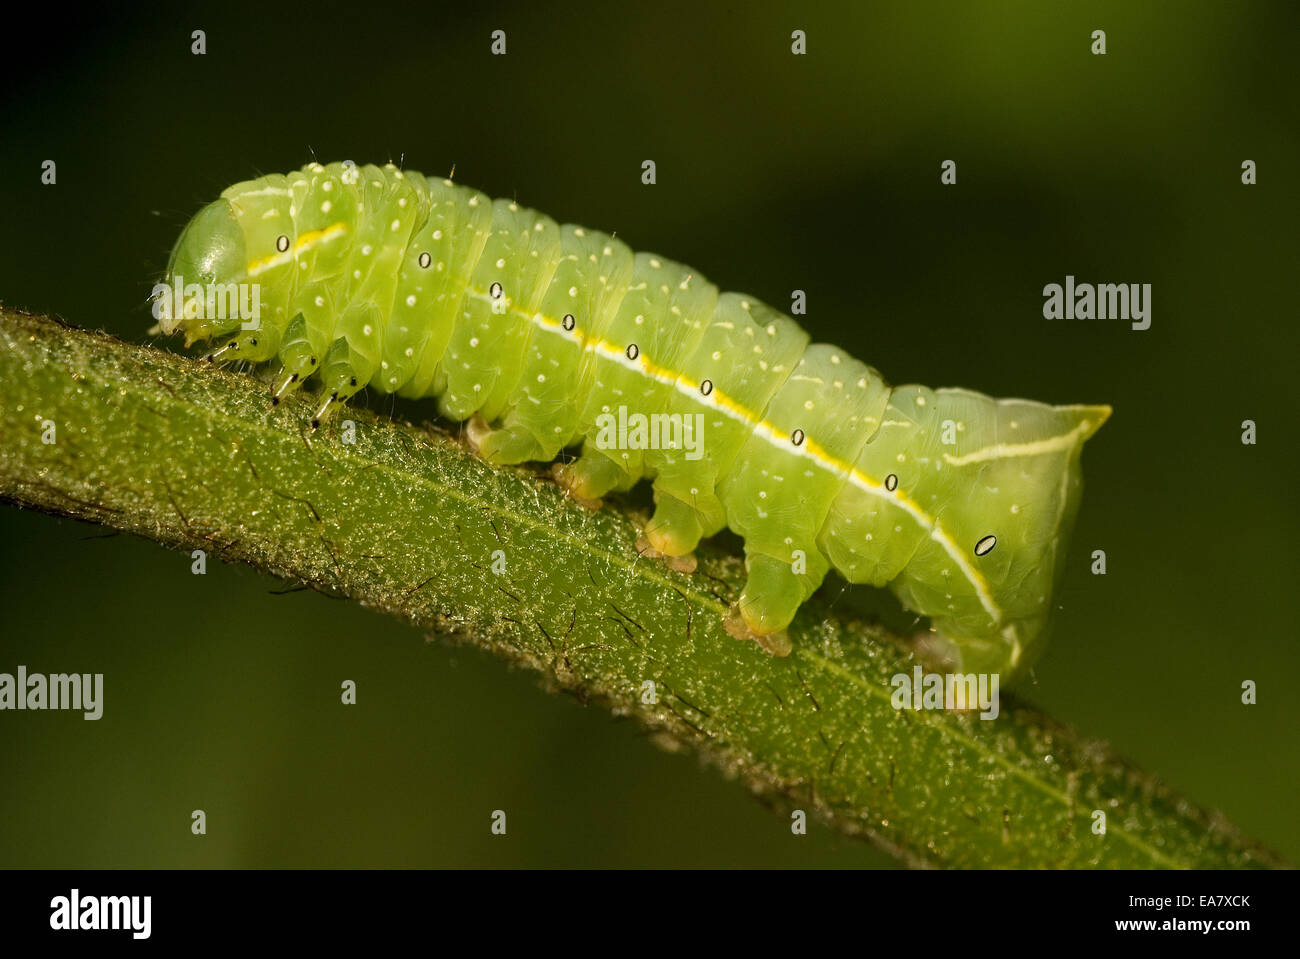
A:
x: 746, y: 353
x: 817, y: 424
x: 591, y: 277
x: 544, y: 337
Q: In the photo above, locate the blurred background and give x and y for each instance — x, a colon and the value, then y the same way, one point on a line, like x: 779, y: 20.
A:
x: 776, y: 172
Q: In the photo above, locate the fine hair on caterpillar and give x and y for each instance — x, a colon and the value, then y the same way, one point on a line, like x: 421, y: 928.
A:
x: 544, y: 337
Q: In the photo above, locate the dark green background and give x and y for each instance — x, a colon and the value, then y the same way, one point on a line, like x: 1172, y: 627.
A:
x: 775, y: 172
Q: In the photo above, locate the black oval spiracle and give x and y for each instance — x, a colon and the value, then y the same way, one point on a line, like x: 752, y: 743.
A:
x: 633, y: 351
x: 706, y: 387
x: 425, y: 260
x: 495, y: 291
x: 891, y: 482
x: 797, y: 437
x: 568, y: 322
x: 985, y: 545
x: 282, y: 243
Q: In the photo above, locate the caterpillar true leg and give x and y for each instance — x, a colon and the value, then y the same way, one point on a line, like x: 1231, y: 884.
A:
x: 253, y: 346
x: 227, y: 352
x: 288, y: 383
x: 298, y: 359
x: 341, y: 378
x: 324, y: 410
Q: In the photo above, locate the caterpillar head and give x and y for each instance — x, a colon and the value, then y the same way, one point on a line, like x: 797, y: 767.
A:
x: 207, y: 264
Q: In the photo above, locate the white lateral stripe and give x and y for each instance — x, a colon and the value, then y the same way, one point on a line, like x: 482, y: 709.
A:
x: 1008, y: 450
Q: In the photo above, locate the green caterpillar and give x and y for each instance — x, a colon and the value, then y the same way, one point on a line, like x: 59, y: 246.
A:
x: 545, y: 336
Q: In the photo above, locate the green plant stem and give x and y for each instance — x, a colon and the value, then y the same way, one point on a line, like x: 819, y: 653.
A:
x: 407, y: 521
